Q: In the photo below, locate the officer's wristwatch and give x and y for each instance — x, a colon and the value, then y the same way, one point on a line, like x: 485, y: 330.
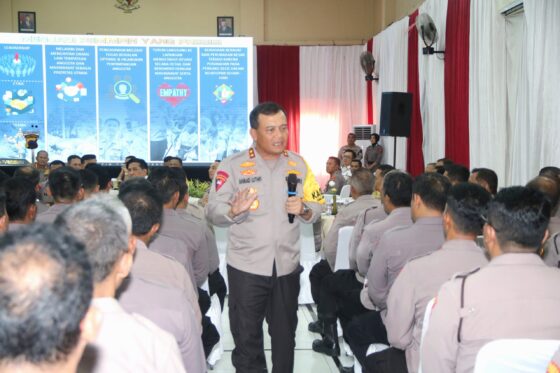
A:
x: 305, y: 210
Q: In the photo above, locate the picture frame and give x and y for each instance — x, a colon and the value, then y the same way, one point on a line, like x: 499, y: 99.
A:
x: 27, y: 22
x: 224, y: 26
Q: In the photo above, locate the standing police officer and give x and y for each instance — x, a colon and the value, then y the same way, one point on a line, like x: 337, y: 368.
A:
x: 250, y: 195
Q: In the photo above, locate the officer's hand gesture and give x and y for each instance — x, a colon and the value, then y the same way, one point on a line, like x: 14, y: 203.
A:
x: 242, y: 201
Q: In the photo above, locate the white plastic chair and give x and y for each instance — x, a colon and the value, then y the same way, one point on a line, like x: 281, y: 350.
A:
x: 345, y: 191
x: 215, y: 315
x: 425, y: 324
x: 308, y: 258
x: 515, y: 356
x: 342, y: 261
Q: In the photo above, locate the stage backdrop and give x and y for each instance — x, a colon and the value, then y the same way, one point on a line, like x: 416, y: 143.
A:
x: 119, y: 95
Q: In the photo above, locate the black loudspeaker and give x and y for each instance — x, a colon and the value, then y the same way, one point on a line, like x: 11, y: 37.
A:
x: 396, y: 108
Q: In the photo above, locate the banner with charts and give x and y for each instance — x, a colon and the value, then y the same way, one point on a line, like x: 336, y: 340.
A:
x: 115, y: 96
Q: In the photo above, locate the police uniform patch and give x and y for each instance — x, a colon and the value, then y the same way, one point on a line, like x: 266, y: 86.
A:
x: 249, y: 172
x: 247, y: 164
x: 221, y: 178
x: 295, y: 172
x: 251, y: 153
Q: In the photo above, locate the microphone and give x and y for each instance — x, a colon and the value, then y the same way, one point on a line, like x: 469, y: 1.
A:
x: 292, y: 185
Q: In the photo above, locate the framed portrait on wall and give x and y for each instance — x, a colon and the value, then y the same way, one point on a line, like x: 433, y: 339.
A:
x: 27, y: 22
x: 225, y: 26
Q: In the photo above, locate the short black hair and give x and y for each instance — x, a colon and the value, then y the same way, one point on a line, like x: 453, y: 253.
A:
x: 56, y: 162
x: 65, y: 183
x: 103, y: 177
x: 432, y: 188
x: 20, y: 195
x: 350, y: 151
x: 142, y: 163
x: 3, y: 176
x: 385, y: 168
x: 165, y: 182
x: 357, y: 161
x: 440, y: 169
x: 336, y: 160
x: 73, y: 156
x: 144, y: 204
x: 30, y: 173
x: 549, y: 187
x: 167, y: 159
x: 40, y: 320
x: 550, y: 171
x: 457, y: 173
x: 266, y: 108
x: 88, y: 157
x: 520, y: 216
x: 445, y: 161
x: 397, y: 186
x: 467, y: 203
x: 89, y: 180
x: 489, y: 176
x: 181, y: 177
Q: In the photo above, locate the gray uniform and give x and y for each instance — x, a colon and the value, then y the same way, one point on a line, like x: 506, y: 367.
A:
x: 374, y: 154
x: 162, y: 269
x: 193, y: 238
x: 338, y: 183
x: 262, y: 236
x: 209, y: 239
x: 345, y: 217
x: 395, y: 248
x: 169, y: 309
x: 369, y: 215
x: 373, y: 232
x: 50, y: 215
x: 419, y: 282
x: 514, y: 296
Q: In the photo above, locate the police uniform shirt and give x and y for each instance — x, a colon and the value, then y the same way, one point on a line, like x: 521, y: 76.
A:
x: 514, y: 296
x: 552, y: 247
x: 51, y: 214
x: 263, y: 235
x: 373, y: 213
x: 175, y: 249
x: 15, y: 226
x: 346, y: 217
x: 416, y: 285
x: 209, y: 242
x: 129, y: 343
x: 192, y: 237
x: 373, y: 232
x: 374, y: 154
x: 395, y: 248
x: 338, y: 183
x: 169, y: 309
x: 162, y: 269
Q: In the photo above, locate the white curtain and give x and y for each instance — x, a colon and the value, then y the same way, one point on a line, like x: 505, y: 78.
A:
x: 488, y: 134
x: 332, y: 101
x: 535, y: 138
x: 430, y: 75
x: 390, y: 50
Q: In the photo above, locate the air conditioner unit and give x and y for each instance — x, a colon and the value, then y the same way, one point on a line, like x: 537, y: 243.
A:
x: 363, y: 134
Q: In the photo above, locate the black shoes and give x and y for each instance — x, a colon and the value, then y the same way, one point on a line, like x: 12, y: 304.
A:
x: 328, y: 345
x: 315, y: 327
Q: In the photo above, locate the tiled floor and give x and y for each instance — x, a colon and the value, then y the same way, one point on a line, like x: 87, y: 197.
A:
x: 306, y: 360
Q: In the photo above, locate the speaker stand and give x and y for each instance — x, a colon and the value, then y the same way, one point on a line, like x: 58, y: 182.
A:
x: 395, y: 152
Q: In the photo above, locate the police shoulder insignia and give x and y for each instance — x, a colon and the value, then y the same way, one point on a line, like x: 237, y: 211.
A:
x: 292, y: 163
x: 221, y: 178
x: 251, y: 153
